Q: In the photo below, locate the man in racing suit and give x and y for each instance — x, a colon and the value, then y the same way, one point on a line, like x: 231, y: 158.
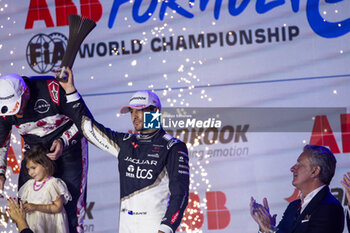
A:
x: 153, y: 166
x: 36, y: 107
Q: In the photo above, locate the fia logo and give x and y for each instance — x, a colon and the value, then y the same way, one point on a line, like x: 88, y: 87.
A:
x: 151, y: 120
x: 45, y: 52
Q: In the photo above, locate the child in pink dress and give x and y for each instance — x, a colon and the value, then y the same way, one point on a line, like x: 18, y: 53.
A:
x: 43, y: 195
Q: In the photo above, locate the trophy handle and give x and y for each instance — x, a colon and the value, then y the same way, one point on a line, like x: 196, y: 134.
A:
x: 63, y: 75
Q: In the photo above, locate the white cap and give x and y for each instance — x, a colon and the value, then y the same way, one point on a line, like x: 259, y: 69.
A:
x: 12, y: 87
x: 141, y: 100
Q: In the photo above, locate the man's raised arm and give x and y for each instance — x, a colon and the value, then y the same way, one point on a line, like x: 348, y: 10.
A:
x: 102, y: 137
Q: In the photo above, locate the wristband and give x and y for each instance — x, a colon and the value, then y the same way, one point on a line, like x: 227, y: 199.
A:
x: 72, y: 92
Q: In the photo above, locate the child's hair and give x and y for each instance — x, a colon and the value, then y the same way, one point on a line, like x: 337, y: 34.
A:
x: 37, y: 154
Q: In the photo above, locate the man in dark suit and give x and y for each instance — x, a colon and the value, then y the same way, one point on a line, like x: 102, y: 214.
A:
x: 318, y: 211
x: 346, y: 184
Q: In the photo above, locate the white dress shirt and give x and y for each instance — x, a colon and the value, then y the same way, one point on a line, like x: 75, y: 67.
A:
x: 306, y: 200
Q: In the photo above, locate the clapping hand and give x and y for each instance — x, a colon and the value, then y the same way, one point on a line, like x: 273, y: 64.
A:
x: 17, y: 213
x: 261, y: 214
x: 346, y: 183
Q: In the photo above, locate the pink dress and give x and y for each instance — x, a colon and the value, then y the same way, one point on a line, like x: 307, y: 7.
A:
x: 46, y: 193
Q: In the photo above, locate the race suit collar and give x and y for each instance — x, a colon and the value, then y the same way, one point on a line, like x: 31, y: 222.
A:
x: 148, y: 136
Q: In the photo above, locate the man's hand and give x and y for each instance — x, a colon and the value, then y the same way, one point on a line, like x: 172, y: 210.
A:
x: 267, y: 209
x: 56, y: 148
x: 2, y: 184
x: 69, y: 85
x: 254, y: 206
x: 346, y: 183
x: 261, y: 214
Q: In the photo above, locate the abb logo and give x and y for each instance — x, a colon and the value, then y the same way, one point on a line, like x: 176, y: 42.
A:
x: 322, y: 133
x: 12, y: 160
x: 39, y: 10
x: 218, y: 216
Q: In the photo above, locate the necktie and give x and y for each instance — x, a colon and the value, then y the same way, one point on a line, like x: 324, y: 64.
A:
x: 298, y: 211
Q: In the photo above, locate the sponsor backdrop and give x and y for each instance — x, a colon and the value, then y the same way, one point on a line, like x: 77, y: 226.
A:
x: 245, y: 83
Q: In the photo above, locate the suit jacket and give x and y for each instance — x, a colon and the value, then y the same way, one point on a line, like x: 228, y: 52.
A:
x: 323, y: 214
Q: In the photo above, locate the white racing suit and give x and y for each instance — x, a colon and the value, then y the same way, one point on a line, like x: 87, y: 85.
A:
x: 153, y: 168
